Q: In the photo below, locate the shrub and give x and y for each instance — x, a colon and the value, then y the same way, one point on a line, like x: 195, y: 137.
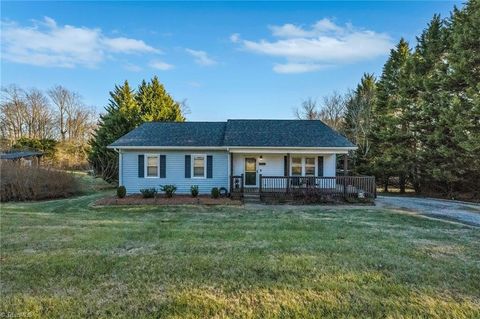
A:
x: 21, y: 182
x: 194, y: 190
x: 148, y: 192
x: 215, y: 192
x: 121, y: 191
x: 168, y: 189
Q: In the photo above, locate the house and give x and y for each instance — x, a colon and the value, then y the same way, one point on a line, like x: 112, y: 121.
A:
x: 238, y: 155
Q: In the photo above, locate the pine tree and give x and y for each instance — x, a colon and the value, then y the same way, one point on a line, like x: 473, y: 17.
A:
x: 428, y: 82
x: 390, y: 119
x: 461, y: 120
x: 358, y: 121
x: 156, y: 104
x: 127, y: 110
x: 120, y: 118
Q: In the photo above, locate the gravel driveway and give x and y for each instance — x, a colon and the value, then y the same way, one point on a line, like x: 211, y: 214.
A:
x: 467, y: 213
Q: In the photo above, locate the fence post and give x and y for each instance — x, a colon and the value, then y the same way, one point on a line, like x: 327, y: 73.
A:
x: 241, y: 180
x: 260, y: 182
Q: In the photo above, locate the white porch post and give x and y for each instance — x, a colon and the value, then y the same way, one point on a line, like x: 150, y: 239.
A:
x: 229, y: 171
x: 120, y: 168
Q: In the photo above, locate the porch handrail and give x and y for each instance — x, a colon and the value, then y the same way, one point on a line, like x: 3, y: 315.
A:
x: 346, y: 186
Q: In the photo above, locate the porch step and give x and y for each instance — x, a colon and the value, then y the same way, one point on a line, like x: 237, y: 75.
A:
x: 251, y: 198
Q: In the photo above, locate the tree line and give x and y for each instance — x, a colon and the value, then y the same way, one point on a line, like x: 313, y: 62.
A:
x: 56, y: 122
x: 419, y: 122
x: 58, y: 114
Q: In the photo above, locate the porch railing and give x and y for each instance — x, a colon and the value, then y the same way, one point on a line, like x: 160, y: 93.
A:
x: 338, y: 186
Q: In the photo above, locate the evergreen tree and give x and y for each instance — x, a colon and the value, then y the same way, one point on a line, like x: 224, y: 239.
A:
x: 390, y: 128
x: 461, y: 120
x: 358, y: 121
x: 127, y: 110
x: 156, y: 104
x: 428, y: 82
x: 120, y: 118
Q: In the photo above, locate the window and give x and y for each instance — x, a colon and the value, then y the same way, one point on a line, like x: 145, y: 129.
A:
x: 152, y: 166
x: 309, y: 166
x: 198, y: 166
x: 296, y: 166
x: 303, y: 166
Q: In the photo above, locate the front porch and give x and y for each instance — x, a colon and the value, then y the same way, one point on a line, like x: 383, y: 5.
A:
x: 295, y: 174
x: 289, y: 187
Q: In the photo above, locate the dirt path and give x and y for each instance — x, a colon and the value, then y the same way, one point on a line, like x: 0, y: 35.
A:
x: 464, y: 212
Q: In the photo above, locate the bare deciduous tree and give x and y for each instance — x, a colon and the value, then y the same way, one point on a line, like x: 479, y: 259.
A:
x: 331, y: 112
x: 308, y: 110
x: 28, y: 113
x: 25, y: 114
x: 39, y: 115
x: 12, y: 108
x: 61, y: 98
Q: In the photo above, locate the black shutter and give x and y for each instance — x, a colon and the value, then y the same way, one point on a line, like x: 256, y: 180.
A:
x: 188, y: 163
x: 209, y: 166
x: 141, y: 166
x: 285, y: 166
x: 320, y: 166
x: 163, y: 166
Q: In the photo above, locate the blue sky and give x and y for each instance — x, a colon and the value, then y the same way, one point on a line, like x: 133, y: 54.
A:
x: 227, y: 59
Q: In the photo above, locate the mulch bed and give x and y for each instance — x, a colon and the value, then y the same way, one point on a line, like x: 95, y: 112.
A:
x: 162, y: 200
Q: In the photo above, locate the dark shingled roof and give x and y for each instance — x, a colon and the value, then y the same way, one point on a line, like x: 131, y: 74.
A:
x: 13, y: 155
x: 282, y: 133
x: 174, y: 134
x: 259, y: 133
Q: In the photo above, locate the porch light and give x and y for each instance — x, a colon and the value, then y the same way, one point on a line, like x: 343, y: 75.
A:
x: 261, y: 157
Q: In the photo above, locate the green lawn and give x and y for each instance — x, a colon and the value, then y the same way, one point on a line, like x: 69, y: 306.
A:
x: 67, y: 259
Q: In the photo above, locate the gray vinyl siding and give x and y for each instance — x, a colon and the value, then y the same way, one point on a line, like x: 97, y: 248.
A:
x: 175, y: 171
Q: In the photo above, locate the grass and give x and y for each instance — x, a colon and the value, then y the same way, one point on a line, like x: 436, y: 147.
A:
x: 64, y: 258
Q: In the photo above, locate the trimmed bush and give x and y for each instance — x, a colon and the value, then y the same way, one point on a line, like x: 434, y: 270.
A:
x: 169, y: 190
x: 121, y: 191
x: 194, y: 190
x: 215, y: 192
x: 22, y: 182
x: 148, y: 192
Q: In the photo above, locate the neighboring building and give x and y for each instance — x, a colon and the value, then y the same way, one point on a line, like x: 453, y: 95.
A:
x: 237, y: 154
x: 24, y: 156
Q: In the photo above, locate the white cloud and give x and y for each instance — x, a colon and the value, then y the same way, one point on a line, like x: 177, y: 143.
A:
x: 324, y: 44
x: 45, y: 43
x: 126, y: 45
x: 289, y: 68
x: 235, y: 37
x: 160, y: 65
x: 201, y: 57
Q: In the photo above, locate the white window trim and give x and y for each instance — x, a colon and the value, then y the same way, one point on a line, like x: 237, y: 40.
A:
x: 303, y: 165
x: 192, y: 167
x: 146, y: 165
